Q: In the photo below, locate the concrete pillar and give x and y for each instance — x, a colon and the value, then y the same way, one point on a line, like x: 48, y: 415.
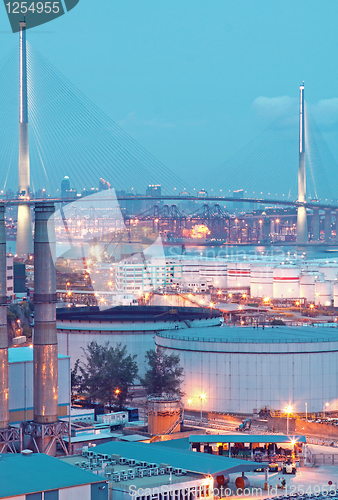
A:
x: 24, y: 238
x: 45, y: 335
x: 315, y: 225
x: 302, y: 236
x: 327, y: 226
x: 4, y: 391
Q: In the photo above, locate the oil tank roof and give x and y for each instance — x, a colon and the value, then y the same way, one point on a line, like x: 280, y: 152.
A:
x: 135, y: 313
x: 191, y: 461
x: 23, y: 354
x: 37, y: 472
x: 251, y: 335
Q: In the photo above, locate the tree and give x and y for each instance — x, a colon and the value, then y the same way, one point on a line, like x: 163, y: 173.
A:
x: 75, y: 379
x: 164, y: 375
x: 108, y: 373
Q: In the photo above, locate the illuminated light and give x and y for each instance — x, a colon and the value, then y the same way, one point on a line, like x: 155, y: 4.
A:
x: 211, y: 304
x: 31, y: 346
x: 165, y: 296
x: 293, y: 442
x: 327, y: 303
x: 230, y: 295
x: 69, y: 294
x: 266, y: 299
x: 288, y: 409
x: 110, y: 283
x: 117, y: 391
x: 244, y: 295
x: 317, y: 294
x: 202, y: 396
x: 189, y: 295
x: 297, y: 303
x: 189, y: 401
x: 219, y: 292
x: 311, y: 306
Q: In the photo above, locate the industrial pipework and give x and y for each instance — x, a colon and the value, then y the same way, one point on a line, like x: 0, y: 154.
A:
x: 45, y: 333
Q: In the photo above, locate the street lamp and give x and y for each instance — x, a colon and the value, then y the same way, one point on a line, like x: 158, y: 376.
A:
x: 306, y: 411
x: 201, y: 396
x: 189, y: 403
x: 325, y: 406
x: 288, y: 409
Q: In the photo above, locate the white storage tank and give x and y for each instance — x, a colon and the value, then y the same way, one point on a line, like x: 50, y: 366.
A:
x: 307, y: 285
x: 239, y: 369
x: 238, y: 275
x: 335, y: 294
x: 323, y: 293
x: 286, y: 282
x: 261, y: 281
x: 330, y: 271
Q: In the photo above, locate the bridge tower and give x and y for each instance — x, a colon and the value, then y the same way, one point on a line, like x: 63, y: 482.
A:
x: 24, y: 239
x: 302, y: 234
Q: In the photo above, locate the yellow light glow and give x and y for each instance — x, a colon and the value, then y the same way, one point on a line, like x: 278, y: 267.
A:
x: 202, y: 396
x: 266, y: 299
x: 288, y: 409
x: 311, y: 306
x: 189, y: 401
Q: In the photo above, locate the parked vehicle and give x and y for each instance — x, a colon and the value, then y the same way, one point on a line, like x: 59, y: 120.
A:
x: 289, y: 467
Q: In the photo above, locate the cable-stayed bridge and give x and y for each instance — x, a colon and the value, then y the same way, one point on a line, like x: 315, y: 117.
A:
x: 69, y: 135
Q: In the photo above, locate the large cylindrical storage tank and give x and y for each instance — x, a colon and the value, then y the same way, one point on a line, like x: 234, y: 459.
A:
x: 261, y: 281
x: 286, y: 282
x: 323, y: 293
x: 239, y: 369
x: 330, y: 271
x: 164, y: 415
x: 307, y: 285
x: 335, y: 294
x: 238, y: 275
x: 213, y: 272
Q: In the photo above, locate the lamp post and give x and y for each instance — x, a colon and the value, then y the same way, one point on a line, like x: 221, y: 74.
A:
x: 201, y: 396
x: 306, y: 411
x: 288, y: 409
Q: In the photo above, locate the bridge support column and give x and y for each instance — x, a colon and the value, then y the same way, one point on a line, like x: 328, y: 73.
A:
x: 302, y: 236
x: 315, y: 224
x: 327, y: 226
x: 335, y: 219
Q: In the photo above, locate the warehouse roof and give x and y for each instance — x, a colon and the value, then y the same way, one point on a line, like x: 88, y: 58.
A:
x: 185, y: 459
x: 24, y: 354
x: 249, y: 334
x: 24, y: 474
x: 245, y: 438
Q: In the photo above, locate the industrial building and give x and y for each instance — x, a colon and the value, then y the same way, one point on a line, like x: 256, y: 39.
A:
x: 21, y: 384
x: 132, y: 326
x: 35, y: 476
x: 241, y: 369
x: 140, y: 470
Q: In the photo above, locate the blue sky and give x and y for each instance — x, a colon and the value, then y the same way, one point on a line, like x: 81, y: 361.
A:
x: 195, y: 81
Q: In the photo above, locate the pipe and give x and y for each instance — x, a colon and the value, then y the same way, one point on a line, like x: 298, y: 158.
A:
x: 4, y: 390
x: 45, y: 334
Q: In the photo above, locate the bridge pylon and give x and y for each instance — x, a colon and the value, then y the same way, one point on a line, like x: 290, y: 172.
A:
x: 302, y: 232
x: 24, y: 238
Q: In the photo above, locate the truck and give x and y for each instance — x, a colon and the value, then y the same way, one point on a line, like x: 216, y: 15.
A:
x: 289, y: 467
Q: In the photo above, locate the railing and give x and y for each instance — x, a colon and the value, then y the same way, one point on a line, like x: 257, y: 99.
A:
x: 236, y: 340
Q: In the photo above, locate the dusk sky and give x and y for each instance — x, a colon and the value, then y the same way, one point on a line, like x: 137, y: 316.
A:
x: 194, y: 82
